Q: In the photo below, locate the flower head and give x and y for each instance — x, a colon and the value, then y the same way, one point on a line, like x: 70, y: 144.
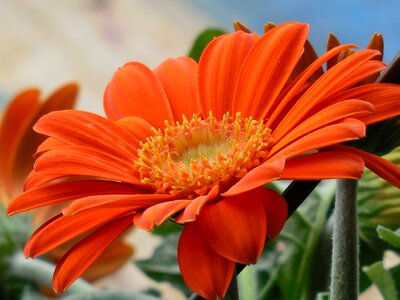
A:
x: 18, y: 142
x: 195, y: 143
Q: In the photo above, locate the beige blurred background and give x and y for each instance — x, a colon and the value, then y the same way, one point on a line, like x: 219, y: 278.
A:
x: 46, y: 43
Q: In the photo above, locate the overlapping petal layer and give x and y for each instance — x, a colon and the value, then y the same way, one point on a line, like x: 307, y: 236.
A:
x: 256, y: 104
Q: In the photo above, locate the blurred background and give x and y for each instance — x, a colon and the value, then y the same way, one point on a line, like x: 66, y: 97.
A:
x: 48, y: 43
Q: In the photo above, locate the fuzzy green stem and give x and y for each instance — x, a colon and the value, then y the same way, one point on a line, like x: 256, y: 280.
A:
x: 344, y: 274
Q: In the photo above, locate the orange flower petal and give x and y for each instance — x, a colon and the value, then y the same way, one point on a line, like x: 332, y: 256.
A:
x: 35, y: 180
x: 383, y: 96
x: 219, y: 68
x: 84, y: 253
x: 65, y: 191
x: 158, y: 213
x: 113, y: 258
x: 324, y: 165
x: 292, y: 91
x: 335, y: 79
x: 331, y: 114
x: 203, y: 270
x: 275, y: 208
x: 133, y: 202
x: 61, y: 229
x: 137, y: 127
x: 349, y: 129
x: 308, y: 57
x: 48, y: 144
x: 194, y: 208
x: 134, y: 90
x: 380, y: 166
x: 267, y: 69
x: 61, y: 99
x: 86, y: 129
x: 179, y: 78
x: 235, y: 227
x: 17, y: 118
x: 257, y: 177
x: 82, y: 161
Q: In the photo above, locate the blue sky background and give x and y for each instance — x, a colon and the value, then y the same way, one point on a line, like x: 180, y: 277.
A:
x: 352, y: 21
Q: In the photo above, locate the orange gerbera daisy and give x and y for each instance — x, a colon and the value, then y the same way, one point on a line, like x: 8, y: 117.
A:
x: 195, y: 143
x: 18, y: 144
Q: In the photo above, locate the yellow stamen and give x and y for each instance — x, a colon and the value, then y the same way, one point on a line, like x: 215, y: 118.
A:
x: 194, y: 155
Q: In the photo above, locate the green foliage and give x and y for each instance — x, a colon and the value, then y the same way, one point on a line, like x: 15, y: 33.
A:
x: 383, y: 279
x: 202, y: 41
x: 163, y: 265
x: 14, y: 232
x: 323, y: 296
x: 387, y: 281
x: 167, y: 228
x: 390, y: 236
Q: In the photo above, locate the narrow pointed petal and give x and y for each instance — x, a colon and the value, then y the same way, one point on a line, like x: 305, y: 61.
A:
x: 35, y: 180
x: 193, y: 209
x: 219, y: 68
x: 235, y: 227
x: 179, y: 78
x: 16, y: 120
x: 330, y: 44
x: 157, y: 214
x: 61, y: 229
x: 267, y: 68
x: 324, y: 165
x: 133, y: 202
x: 380, y: 166
x: 86, y: 129
x: 48, y: 144
x: 292, y: 91
x: 204, y: 271
x: 337, y: 78
x: 383, y: 96
x: 84, y: 253
x: 268, y: 171
x: 82, y: 161
x: 61, y: 99
x: 308, y: 57
x: 111, y: 260
x: 329, y: 115
x: 349, y: 129
x: 65, y: 191
x: 134, y: 90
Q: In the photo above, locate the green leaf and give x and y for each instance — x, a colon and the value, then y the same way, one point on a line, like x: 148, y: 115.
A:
x: 202, y: 41
x: 392, y: 237
x: 323, y: 296
x: 163, y: 266
x: 383, y: 280
x: 167, y: 228
x: 296, y: 261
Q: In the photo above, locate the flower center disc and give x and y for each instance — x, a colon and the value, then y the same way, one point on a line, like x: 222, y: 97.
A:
x: 190, y: 158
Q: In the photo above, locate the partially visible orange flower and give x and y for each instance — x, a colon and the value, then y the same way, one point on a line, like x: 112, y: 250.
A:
x: 195, y: 143
x: 18, y: 142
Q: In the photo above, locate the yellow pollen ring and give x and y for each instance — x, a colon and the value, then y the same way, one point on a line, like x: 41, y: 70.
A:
x: 191, y: 157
